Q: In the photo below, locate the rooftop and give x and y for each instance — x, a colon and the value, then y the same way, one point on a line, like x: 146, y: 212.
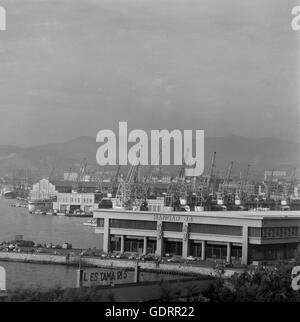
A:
x: 218, y: 214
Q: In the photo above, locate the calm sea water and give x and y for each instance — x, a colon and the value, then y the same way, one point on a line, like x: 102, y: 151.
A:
x: 26, y: 275
x: 44, y: 228
x: 40, y: 229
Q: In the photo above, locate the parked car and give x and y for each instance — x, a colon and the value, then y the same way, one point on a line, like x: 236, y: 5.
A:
x: 149, y: 257
x: 120, y: 256
x: 191, y: 258
x: 175, y: 259
x: 66, y: 246
x: 87, y: 252
x: 134, y: 256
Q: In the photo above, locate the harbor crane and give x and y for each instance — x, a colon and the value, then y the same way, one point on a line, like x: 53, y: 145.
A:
x: 177, y: 193
x: 245, y: 181
x: 80, y: 175
x: 204, y: 189
x: 239, y: 197
x: 51, y: 174
x: 269, y: 186
x: 292, y: 181
x: 221, y: 195
x: 115, y: 182
x: 288, y: 188
x: 211, y: 172
x: 227, y: 177
x: 177, y: 190
x: 126, y: 189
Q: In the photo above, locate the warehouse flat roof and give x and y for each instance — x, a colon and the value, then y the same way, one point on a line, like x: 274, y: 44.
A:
x: 220, y: 214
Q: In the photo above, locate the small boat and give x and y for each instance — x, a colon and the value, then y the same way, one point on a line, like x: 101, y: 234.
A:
x: 60, y: 214
x: 90, y: 222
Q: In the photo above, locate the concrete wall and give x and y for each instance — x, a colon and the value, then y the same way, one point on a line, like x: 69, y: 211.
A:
x: 108, y: 263
x: 36, y: 258
x: 153, y: 291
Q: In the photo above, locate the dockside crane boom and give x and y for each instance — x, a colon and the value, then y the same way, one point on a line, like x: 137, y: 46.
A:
x: 211, y: 172
x: 116, y: 181
x: 227, y: 177
x: 80, y: 175
x: 293, y: 179
x: 290, y: 186
x: 269, y: 185
x: 245, y: 181
x: 51, y: 173
x: 126, y: 188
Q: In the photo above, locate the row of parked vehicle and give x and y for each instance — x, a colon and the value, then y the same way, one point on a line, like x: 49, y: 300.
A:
x: 29, y: 246
x: 118, y: 255
x: 135, y: 256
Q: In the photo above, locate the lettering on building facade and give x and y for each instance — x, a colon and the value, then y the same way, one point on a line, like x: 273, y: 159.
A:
x: 173, y: 218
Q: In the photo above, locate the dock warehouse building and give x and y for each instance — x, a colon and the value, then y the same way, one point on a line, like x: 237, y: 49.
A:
x: 230, y: 235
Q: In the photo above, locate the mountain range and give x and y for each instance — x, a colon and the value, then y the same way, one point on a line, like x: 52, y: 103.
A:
x: 260, y: 153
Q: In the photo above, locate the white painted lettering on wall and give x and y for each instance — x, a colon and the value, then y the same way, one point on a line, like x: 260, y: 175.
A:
x: 89, y: 277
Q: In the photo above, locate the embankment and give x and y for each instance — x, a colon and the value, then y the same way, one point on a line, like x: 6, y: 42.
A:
x: 110, y: 263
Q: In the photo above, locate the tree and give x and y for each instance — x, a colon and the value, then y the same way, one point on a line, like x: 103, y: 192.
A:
x: 258, y: 285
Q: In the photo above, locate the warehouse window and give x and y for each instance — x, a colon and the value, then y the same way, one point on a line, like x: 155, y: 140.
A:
x: 216, y: 229
x: 100, y: 222
x: 254, y: 232
x: 172, y: 226
x: 133, y: 224
x: 279, y: 232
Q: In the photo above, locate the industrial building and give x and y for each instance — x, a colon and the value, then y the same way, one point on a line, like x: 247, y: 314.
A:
x: 230, y: 236
x: 43, y: 189
x: 70, y: 202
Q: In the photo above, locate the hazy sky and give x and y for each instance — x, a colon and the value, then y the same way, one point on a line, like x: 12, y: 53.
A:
x: 72, y: 67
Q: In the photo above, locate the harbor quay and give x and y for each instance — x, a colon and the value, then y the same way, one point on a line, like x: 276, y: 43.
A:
x: 162, y: 268
x: 234, y: 237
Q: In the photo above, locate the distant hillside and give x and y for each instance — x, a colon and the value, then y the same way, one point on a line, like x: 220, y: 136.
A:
x: 263, y: 153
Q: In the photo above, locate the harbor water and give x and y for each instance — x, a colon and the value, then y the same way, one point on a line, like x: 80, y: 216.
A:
x: 45, y: 228
x: 42, y: 229
x: 27, y: 275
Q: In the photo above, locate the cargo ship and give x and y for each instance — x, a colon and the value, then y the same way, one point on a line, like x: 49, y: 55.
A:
x: 9, y: 194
